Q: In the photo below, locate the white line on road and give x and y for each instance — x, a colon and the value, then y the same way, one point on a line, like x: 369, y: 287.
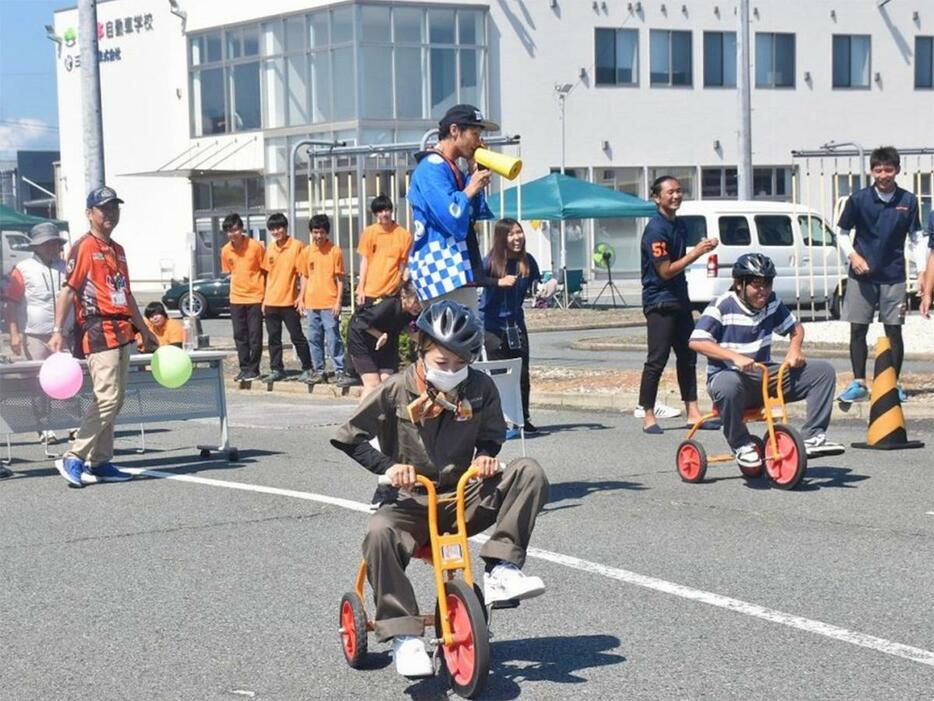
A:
x: 807, y: 625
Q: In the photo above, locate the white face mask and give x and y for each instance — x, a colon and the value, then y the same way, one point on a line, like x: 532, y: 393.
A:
x: 445, y: 380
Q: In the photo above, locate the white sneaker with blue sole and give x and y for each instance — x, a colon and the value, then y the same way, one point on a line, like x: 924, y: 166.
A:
x: 106, y: 472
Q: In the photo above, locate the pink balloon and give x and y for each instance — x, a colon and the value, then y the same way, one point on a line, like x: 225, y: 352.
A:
x: 61, y: 376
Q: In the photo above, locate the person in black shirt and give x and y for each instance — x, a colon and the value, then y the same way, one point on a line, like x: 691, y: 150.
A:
x: 373, y: 336
x: 665, y: 302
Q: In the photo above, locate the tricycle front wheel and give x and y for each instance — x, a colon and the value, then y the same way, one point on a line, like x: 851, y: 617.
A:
x: 467, y: 659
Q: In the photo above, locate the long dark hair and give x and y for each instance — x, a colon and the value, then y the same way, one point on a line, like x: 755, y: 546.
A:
x: 500, y: 253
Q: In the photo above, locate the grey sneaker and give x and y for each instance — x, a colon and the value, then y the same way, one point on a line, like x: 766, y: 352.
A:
x: 274, y: 376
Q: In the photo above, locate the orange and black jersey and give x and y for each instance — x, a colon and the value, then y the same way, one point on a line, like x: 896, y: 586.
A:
x: 97, y: 272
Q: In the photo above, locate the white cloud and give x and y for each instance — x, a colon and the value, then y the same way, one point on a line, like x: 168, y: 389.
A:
x: 25, y: 133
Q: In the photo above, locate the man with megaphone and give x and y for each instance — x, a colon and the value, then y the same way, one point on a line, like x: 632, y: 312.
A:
x: 445, y: 260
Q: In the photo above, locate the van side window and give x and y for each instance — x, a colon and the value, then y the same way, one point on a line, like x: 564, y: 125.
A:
x: 816, y: 233
x: 774, y: 230
x: 17, y: 242
x: 734, y: 231
x: 696, y: 227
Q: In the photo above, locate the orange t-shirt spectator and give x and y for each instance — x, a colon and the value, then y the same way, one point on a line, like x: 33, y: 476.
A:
x: 242, y: 257
x: 280, y: 264
x: 322, y: 267
x: 281, y: 302
x: 384, y: 251
x: 169, y: 332
x: 244, y: 261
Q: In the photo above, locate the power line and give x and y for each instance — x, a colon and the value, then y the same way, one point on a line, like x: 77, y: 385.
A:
x: 31, y: 125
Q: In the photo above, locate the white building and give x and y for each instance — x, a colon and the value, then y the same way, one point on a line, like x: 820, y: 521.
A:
x: 200, y: 111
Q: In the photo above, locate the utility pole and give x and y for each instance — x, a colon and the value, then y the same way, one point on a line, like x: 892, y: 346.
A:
x: 562, y: 91
x: 744, y: 169
x: 93, y: 128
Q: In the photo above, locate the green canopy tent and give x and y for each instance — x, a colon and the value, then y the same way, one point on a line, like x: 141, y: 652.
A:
x: 560, y: 197
x: 11, y: 220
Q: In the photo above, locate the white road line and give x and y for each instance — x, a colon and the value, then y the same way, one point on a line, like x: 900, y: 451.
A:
x: 807, y: 625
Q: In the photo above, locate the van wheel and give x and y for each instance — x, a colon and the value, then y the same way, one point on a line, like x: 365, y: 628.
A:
x: 836, y: 304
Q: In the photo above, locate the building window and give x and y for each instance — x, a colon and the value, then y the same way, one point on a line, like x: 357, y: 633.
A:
x: 415, y: 63
x: 851, y: 61
x: 686, y: 175
x: 719, y: 59
x: 225, y: 81
x: 670, y: 58
x: 771, y: 183
x: 775, y: 60
x: 616, y: 56
x: 628, y: 180
x: 718, y: 183
x: 924, y: 62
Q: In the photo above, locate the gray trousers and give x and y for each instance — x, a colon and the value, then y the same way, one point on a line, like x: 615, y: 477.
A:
x: 734, y: 392
x: 511, y: 500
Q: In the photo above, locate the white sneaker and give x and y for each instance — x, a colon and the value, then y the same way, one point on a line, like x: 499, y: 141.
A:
x: 507, y: 583
x: 412, y: 659
x: 662, y: 411
x: 748, y: 456
x: 819, y: 445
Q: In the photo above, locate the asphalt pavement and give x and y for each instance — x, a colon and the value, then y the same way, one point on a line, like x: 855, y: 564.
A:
x: 208, y: 580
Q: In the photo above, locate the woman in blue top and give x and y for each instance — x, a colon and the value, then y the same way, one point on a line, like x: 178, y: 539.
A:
x: 514, y: 271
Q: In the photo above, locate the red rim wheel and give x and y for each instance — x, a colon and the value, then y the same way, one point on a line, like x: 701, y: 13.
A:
x: 353, y: 629
x: 691, y: 461
x: 787, y: 470
x: 467, y: 659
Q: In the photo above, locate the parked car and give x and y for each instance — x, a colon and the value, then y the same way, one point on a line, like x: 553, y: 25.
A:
x: 803, y: 247
x: 210, y: 298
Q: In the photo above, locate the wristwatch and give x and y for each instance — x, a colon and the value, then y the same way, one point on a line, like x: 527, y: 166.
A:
x: 56, y: 329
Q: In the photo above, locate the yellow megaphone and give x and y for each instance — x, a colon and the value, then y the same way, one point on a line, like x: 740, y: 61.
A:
x: 507, y: 166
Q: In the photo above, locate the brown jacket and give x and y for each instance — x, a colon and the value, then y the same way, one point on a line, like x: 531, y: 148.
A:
x: 441, y: 449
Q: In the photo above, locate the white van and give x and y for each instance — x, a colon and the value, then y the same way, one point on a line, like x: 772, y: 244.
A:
x: 808, y: 263
x: 14, y: 247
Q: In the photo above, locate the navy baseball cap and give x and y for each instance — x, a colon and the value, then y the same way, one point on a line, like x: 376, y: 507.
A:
x: 101, y: 196
x: 465, y: 116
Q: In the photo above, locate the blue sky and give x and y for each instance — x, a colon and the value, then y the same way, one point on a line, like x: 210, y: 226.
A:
x: 28, y: 103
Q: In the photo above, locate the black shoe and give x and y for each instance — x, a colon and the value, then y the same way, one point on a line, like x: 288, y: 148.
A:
x: 384, y: 494
x: 249, y: 376
x: 274, y: 376
x: 343, y: 380
x: 238, y: 377
x: 4, y: 472
x: 530, y: 427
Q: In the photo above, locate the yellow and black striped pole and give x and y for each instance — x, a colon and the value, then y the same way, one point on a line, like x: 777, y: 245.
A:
x: 886, y: 420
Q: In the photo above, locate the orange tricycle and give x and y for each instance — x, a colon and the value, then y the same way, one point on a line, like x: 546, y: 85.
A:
x: 781, y: 448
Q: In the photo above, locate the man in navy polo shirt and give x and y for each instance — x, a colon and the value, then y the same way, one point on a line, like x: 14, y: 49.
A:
x: 666, y: 305
x: 928, y: 286
x: 883, y: 215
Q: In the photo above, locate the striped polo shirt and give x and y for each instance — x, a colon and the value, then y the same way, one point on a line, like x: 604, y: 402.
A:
x: 731, y: 324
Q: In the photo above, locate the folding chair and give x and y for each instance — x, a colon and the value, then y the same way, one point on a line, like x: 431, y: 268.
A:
x: 574, y: 282
x: 506, y: 375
